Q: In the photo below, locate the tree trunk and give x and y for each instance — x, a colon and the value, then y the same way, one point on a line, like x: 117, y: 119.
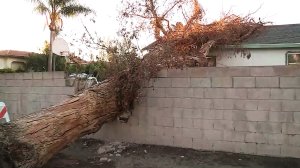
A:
x: 50, y: 64
x: 31, y: 141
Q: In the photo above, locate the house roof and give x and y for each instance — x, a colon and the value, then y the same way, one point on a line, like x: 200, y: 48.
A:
x: 269, y: 36
x: 14, y: 53
x: 275, y: 36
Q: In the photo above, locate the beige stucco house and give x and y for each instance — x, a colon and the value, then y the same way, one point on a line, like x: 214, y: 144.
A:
x: 13, y: 59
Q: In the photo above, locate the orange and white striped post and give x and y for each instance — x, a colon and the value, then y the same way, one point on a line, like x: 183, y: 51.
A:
x: 3, y: 112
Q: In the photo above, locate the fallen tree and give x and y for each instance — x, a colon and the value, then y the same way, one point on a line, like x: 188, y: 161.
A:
x: 31, y: 141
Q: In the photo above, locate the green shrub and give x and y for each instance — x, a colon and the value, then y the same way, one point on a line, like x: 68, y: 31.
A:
x: 39, y: 63
x: 6, y: 70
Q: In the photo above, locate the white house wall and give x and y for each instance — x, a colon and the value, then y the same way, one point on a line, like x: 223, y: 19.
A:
x: 259, y: 57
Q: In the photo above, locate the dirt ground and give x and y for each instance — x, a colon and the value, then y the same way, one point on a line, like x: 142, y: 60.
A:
x: 90, y: 153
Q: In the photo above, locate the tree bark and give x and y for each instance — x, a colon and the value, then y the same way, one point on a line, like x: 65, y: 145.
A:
x: 50, y: 64
x: 31, y: 141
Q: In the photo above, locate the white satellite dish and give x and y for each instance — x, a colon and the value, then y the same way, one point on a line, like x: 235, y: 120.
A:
x: 60, y: 47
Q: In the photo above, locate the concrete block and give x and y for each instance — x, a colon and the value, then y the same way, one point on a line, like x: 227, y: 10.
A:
x: 294, y: 140
x: 212, y: 135
x: 212, y: 114
x: 27, y: 75
x: 48, y: 82
x: 160, y: 140
x: 203, y: 103
x: 183, y: 142
x: 181, y: 82
x: 37, y: 75
x: 270, y: 150
x: 32, y: 97
x: 234, y: 136
x: 178, y: 123
x: 225, y: 104
x: 203, y: 124
x: 297, y: 94
x: 11, y: 89
x: 289, y: 82
x: 178, y: 73
x: 224, y: 146
x: 257, y: 115
x: 58, y: 75
x: 235, y: 115
x: 14, y: 82
x: 222, y: 82
x: 12, y: 107
x: 179, y: 92
x: 245, y: 126
x: 47, y: 75
x: 162, y: 82
x: 291, y: 105
x: 19, y: 76
x: 236, y: 93
x: 247, y: 148
x: 290, y: 151
x: 257, y: 138
x: 160, y: 111
x: 270, y: 105
x: 259, y: 93
x: 166, y: 122
x: 187, y: 123
x: 27, y: 82
x: 223, y: 125
x: 11, y: 96
x: 9, y: 76
x: 246, y: 104
x: 59, y: 82
x: 187, y: 113
x: 244, y: 82
x: 283, y: 94
x: 159, y: 102
x: 264, y: 127
x: 297, y: 117
x: 267, y: 82
x: 277, y: 139
x: 177, y: 112
x: 37, y: 82
x: 198, y: 92
x: 155, y: 92
x: 202, y: 144
x: 183, y: 102
x: 214, y: 93
x: 170, y: 131
x: 198, y: 113
x: 289, y: 128
x: 2, y: 76
x: 192, y: 133
x: 201, y: 82
x: 263, y: 71
x: 2, y: 82
x: 281, y: 117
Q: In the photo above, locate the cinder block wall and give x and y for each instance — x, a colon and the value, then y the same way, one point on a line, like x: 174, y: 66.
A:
x: 251, y: 110
x: 25, y: 93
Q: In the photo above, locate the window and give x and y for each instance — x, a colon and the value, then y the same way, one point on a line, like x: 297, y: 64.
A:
x: 293, y: 58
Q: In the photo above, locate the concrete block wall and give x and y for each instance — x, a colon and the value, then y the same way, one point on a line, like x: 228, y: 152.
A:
x: 250, y: 110
x: 25, y: 93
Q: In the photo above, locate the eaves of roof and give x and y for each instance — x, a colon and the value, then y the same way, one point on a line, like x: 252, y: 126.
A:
x: 266, y: 46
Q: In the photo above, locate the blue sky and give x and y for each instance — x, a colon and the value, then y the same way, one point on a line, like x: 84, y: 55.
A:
x: 22, y: 29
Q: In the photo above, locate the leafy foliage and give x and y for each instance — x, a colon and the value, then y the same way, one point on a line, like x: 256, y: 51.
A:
x: 38, y: 63
x: 6, y: 70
